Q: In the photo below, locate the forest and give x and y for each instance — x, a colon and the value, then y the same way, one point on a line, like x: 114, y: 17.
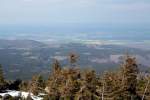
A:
x: 73, y: 83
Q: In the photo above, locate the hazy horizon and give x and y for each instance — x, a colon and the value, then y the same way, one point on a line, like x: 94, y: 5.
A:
x: 79, y: 16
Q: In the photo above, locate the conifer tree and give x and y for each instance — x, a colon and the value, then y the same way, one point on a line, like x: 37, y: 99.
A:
x: 1, y: 75
x: 88, y: 86
x: 146, y: 88
x: 70, y: 85
x: 73, y: 59
x: 130, y: 72
x: 54, y: 81
x: 2, y: 80
x: 108, y: 82
x: 37, y: 84
x: 56, y: 67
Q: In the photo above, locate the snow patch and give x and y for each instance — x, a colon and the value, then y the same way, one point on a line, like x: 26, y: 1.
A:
x: 23, y: 94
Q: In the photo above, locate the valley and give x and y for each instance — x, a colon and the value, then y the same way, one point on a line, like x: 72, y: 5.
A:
x: 24, y: 58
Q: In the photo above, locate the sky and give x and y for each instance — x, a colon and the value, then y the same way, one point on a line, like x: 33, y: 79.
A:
x: 94, y: 14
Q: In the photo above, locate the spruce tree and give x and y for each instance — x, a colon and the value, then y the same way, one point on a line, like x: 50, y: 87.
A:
x: 2, y: 81
x: 56, y: 67
x: 37, y: 84
x: 88, y: 86
x: 73, y: 59
x: 54, y: 81
x: 130, y: 72
x: 1, y: 75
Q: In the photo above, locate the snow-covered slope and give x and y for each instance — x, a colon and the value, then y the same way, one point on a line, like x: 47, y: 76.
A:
x: 20, y: 93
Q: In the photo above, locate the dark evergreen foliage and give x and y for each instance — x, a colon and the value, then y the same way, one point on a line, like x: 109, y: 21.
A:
x: 71, y: 83
x: 15, y: 85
